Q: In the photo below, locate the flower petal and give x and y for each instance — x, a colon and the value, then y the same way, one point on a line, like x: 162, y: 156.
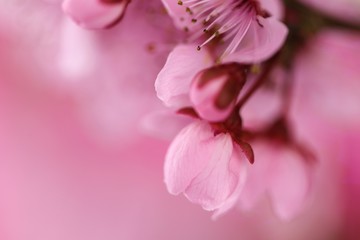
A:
x: 239, y: 162
x: 204, y: 99
x: 187, y: 156
x: 215, y: 184
x: 260, y: 42
x: 94, y: 14
x: 203, y: 166
x: 173, y: 82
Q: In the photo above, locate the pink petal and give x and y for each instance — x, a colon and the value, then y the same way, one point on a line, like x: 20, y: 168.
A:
x: 201, y: 165
x: 94, y: 14
x: 185, y: 158
x: 289, y: 184
x: 173, y: 82
x: 260, y: 42
x: 215, y: 184
x: 204, y: 100
x: 214, y: 91
x: 238, y: 160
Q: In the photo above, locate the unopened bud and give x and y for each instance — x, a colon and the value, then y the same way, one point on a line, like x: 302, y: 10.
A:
x: 95, y: 14
x: 215, y: 90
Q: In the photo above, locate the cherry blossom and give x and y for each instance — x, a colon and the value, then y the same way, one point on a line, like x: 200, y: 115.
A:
x: 189, y: 78
x: 210, y: 170
x: 242, y: 31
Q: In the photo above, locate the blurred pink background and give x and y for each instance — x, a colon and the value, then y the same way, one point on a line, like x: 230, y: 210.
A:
x: 75, y: 163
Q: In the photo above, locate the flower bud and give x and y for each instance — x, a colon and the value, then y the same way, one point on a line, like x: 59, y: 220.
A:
x: 214, y: 91
x: 95, y: 14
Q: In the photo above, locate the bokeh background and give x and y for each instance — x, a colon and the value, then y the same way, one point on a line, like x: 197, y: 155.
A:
x: 76, y: 162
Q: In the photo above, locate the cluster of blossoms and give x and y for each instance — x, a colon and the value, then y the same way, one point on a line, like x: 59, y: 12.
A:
x: 238, y: 44
x: 231, y: 72
x: 225, y: 158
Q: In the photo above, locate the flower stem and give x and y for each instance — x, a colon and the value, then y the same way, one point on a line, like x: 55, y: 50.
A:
x: 259, y: 81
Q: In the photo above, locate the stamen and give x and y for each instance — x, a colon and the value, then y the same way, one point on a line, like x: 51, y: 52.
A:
x: 228, y: 20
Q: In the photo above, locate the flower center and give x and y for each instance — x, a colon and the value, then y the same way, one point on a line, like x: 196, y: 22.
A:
x: 225, y: 20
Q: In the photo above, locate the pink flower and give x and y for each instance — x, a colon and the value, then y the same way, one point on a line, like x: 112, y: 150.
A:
x: 189, y: 79
x: 95, y: 14
x: 249, y: 31
x: 207, y: 167
x: 205, y: 161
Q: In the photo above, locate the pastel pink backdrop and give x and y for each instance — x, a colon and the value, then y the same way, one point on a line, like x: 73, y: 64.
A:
x: 68, y: 172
